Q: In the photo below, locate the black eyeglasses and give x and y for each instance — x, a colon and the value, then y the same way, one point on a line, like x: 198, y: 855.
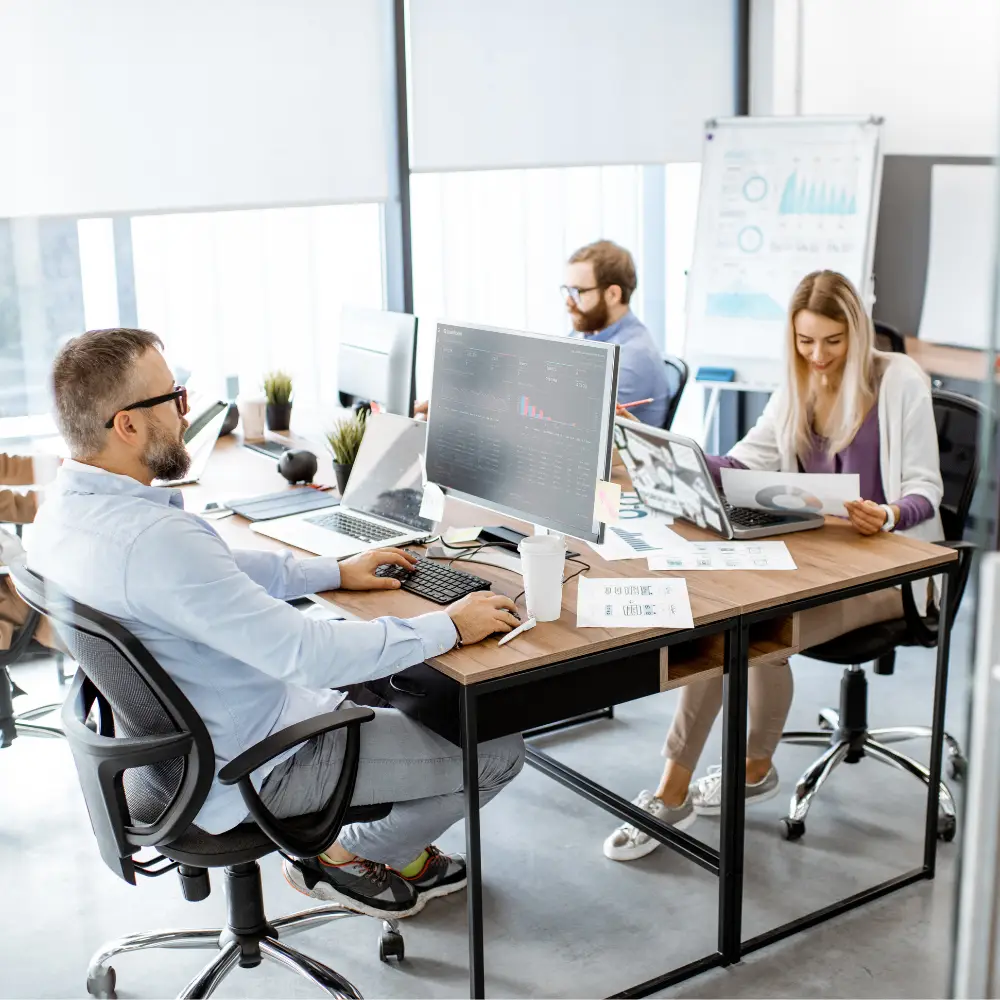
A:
x: 179, y: 396
x: 574, y: 293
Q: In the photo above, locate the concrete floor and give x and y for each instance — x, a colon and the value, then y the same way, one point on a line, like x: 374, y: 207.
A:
x: 561, y: 921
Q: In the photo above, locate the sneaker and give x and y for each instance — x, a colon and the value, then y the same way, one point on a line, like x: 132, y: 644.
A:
x: 360, y: 885
x: 628, y: 843
x: 441, y: 875
x: 706, y: 793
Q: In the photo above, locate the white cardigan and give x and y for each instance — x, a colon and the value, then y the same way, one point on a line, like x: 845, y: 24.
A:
x: 908, y: 446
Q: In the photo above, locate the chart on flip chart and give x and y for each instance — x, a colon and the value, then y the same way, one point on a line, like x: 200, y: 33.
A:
x: 779, y: 198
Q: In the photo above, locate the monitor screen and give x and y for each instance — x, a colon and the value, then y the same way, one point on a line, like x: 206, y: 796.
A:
x: 376, y: 358
x: 521, y: 423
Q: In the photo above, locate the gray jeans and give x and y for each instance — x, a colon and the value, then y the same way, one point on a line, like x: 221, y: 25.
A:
x: 402, y: 762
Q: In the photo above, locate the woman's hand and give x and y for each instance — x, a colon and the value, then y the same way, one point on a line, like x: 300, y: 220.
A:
x: 867, y: 516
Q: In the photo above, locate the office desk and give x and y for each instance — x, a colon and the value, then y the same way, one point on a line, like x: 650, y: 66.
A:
x: 556, y: 671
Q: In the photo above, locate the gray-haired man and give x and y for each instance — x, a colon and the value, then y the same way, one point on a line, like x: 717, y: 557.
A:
x: 217, y: 621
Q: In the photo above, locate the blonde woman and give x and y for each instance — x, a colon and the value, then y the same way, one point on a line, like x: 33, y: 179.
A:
x: 844, y: 407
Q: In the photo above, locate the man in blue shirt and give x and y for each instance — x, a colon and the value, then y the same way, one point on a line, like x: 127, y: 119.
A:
x: 600, y: 280
x: 217, y: 621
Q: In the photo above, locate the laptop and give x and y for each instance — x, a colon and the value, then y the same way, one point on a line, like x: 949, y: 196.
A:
x: 670, y: 474
x: 381, y: 505
x: 207, y: 418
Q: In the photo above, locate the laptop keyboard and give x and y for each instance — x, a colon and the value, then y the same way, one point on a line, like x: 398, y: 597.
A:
x: 437, y: 583
x: 747, y: 517
x: 354, y: 527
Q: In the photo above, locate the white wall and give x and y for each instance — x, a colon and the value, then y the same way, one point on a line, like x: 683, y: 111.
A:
x: 930, y: 67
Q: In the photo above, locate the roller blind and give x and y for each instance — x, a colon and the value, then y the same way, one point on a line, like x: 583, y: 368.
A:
x: 164, y: 105
x: 530, y: 83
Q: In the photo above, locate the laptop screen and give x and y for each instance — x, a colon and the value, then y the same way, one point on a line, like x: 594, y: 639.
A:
x: 670, y: 475
x: 386, y: 480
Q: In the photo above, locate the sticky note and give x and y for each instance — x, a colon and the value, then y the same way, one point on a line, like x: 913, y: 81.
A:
x: 460, y: 536
x: 432, y: 504
x: 606, y: 502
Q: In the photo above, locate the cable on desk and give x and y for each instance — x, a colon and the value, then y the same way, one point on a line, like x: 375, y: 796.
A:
x: 583, y: 569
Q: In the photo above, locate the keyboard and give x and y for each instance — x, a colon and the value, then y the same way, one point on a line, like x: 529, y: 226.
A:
x: 354, y: 527
x: 437, y: 583
x: 747, y: 517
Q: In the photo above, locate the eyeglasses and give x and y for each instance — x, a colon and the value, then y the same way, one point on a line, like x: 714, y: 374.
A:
x: 179, y: 396
x: 574, y: 293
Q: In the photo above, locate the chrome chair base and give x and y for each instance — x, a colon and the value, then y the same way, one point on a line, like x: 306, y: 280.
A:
x: 874, y: 744
x: 101, y: 976
x: 24, y: 724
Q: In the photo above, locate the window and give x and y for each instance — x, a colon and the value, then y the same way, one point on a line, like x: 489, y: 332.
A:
x: 231, y: 293
x: 243, y: 292
x: 490, y: 246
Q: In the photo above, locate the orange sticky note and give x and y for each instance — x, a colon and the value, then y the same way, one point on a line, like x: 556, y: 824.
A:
x: 606, y: 502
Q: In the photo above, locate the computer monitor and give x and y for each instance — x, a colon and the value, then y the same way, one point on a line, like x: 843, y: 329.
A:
x: 377, y: 358
x: 522, y: 423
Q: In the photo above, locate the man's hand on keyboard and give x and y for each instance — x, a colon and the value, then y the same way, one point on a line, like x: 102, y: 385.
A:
x: 358, y: 572
x: 481, y: 614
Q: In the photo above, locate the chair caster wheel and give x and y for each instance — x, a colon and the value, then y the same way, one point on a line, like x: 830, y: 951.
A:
x: 103, y: 984
x: 947, y: 827
x: 958, y: 768
x: 792, y: 829
x: 390, y: 946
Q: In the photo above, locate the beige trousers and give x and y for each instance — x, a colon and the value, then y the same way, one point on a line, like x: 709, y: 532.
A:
x: 769, y: 686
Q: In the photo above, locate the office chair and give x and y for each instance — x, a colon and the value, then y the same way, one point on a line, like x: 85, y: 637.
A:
x: 888, y: 338
x: 845, y: 732
x: 677, y: 376
x: 22, y: 647
x: 146, y: 762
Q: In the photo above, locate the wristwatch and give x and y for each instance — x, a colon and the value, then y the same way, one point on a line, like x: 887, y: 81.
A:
x: 890, y: 518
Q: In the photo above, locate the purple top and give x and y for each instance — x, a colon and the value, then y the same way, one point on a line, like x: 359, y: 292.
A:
x: 861, y: 456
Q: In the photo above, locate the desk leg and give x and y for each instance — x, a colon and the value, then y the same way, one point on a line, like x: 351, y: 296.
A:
x: 474, y: 890
x: 937, y: 733
x: 734, y: 751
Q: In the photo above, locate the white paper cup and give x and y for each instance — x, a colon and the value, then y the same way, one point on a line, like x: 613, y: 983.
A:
x: 543, y: 559
x: 252, y: 414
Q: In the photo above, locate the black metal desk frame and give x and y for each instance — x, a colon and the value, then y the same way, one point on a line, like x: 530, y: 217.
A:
x: 727, y: 862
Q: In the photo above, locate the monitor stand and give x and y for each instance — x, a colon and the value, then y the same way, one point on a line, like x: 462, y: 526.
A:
x: 509, y: 538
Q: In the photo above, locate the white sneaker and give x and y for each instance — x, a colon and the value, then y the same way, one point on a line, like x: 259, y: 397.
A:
x: 628, y: 843
x: 706, y: 793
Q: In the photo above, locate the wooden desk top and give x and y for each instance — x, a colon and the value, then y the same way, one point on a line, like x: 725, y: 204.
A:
x: 950, y: 362
x: 829, y: 559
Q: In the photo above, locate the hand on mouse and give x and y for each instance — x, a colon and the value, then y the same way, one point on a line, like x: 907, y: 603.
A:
x: 481, y: 614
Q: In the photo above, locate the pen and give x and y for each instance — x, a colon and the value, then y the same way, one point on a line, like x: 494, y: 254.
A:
x: 635, y: 402
x: 530, y: 623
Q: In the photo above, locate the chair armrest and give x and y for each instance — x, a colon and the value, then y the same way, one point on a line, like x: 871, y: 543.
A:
x: 924, y: 629
x: 302, y: 836
x: 277, y: 743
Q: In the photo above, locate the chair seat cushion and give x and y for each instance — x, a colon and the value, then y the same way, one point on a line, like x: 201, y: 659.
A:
x: 246, y: 842
x: 863, y: 644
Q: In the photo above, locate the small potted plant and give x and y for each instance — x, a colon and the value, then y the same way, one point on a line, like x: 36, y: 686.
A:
x: 344, y: 441
x: 278, y: 392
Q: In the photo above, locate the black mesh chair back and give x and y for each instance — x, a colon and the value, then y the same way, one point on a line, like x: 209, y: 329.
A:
x: 888, y: 338
x: 958, y: 419
x: 148, y: 789
x: 677, y: 376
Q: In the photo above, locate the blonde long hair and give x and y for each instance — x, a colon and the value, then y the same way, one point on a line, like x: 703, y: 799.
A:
x: 830, y: 294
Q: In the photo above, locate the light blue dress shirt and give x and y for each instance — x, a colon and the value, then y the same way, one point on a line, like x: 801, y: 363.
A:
x: 641, y: 372
x: 215, y: 619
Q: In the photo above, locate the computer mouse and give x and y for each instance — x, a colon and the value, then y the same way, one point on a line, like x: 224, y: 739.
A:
x: 298, y: 466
